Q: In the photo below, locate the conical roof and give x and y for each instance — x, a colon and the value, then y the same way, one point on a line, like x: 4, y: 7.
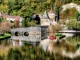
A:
x: 45, y: 15
x: 51, y: 14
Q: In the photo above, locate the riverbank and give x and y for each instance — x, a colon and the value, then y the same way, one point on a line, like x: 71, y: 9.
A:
x: 6, y: 35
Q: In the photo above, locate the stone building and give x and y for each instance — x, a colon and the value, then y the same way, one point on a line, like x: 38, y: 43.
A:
x: 11, y: 18
x: 45, y: 19
x: 49, y: 18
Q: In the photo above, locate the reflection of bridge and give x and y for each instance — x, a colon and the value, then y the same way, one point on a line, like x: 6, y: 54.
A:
x: 69, y: 33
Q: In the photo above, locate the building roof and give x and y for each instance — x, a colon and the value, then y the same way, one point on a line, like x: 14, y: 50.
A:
x: 51, y: 11
x: 5, y: 15
x: 51, y: 14
x: 45, y: 15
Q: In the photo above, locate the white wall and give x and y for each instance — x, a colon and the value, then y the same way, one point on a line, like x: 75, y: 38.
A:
x: 45, y: 22
x: 12, y: 19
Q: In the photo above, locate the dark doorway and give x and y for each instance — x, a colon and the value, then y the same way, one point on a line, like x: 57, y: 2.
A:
x: 56, y: 18
x: 37, y: 18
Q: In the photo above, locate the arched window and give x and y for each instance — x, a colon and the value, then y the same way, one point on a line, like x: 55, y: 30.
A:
x: 16, y: 33
x: 26, y: 33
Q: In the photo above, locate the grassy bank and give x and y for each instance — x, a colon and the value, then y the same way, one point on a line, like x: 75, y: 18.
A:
x: 6, y: 35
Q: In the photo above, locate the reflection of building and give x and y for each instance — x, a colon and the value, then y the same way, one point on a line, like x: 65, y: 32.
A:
x: 11, y: 18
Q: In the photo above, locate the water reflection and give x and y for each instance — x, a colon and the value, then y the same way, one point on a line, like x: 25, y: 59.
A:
x: 5, y: 42
x: 74, y: 40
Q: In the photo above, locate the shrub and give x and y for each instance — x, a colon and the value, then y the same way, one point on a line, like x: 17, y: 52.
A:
x: 54, y: 28
x: 73, y: 24
x: 69, y: 13
x: 31, y: 23
x: 75, y: 15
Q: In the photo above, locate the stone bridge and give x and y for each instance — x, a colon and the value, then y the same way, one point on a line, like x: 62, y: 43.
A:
x: 33, y: 34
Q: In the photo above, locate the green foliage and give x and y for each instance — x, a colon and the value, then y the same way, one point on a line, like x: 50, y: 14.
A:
x: 59, y: 35
x: 64, y: 14
x: 73, y: 23
x: 70, y: 13
x: 30, y: 52
x: 34, y: 53
x: 73, y: 40
x: 5, y: 35
x: 20, y: 7
x: 14, y: 54
x: 77, y: 58
x: 26, y: 8
x: 0, y: 1
x: 76, y: 2
x: 23, y: 23
x: 3, y: 6
x: 32, y: 23
x: 75, y: 15
x: 1, y: 58
x: 1, y: 20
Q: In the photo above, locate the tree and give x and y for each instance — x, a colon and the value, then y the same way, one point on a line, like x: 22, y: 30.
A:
x: 67, y: 12
x: 75, y: 15
x: 3, y: 6
x: 58, y: 7
x: 66, y: 1
x: 6, y: 25
x: 63, y: 15
x: 58, y: 4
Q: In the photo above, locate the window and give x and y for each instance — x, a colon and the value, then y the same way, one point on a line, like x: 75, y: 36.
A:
x: 17, y: 33
x: 26, y: 33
